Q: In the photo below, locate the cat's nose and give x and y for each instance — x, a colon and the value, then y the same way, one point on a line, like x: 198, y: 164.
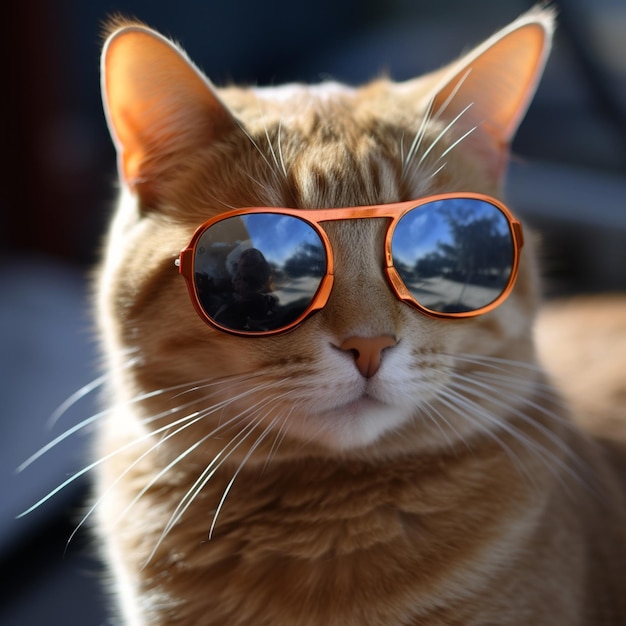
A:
x: 367, y: 351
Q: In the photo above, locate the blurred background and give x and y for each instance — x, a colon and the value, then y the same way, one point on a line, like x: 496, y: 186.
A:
x: 58, y: 187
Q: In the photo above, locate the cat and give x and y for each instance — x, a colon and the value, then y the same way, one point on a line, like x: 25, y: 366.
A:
x: 377, y: 463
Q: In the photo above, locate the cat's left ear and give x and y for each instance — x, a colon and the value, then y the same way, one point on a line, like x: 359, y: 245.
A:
x: 485, y: 94
x: 158, y: 105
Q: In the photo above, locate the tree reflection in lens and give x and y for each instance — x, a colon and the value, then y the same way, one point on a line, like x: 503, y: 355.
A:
x: 454, y: 255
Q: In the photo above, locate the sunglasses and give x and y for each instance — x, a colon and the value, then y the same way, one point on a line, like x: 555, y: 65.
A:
x: 263, y: 271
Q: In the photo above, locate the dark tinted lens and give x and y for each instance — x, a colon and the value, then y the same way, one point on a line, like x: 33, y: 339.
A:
x: 454, y: 255
x: 258, y: 272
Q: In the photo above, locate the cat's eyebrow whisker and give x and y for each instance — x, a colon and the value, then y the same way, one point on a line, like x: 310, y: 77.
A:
x: 433, y: 174
x: 261, y: 153
x: 452, y: 147
x: 444, y: 105
x: 275, y: 168
x: 443, y: 132
x: 418, y: 138
x: 430, y: 116
x: 280, y: 150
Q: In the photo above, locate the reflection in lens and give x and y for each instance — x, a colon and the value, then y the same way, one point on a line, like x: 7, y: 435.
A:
x: 454, y: 255
x: 258, y: 272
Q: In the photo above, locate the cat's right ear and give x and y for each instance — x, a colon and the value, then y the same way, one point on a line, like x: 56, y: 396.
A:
x: 158, y: 106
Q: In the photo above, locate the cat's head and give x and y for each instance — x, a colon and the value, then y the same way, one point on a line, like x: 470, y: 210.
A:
x: 188, y: 151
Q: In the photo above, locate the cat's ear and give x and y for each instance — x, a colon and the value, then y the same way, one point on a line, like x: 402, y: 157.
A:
x: 485, y: 94
x: 158, y: 106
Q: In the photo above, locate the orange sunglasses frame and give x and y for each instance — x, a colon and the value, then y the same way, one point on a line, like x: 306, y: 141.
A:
x: 314, y: 217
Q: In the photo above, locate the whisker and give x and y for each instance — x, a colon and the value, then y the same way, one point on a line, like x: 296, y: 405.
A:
x: 427, y: 408
x: 193, y: 419
x: 90, y: 420
x: 433, y: 174
x: 459, y: 404
x: 211, y: 469
x: 550, y: 459
x: 280, y: 150
x: 419, y: 136
x: 550, y: 435
x: 280, y: 436
x: 67, y: 404
x: 442, y: 134
x: 200, y: 483
x: 258, y: 442
x: 452, y: 147
x: 95, y: 464
x: 452, y: 96
x: 57, y: 440
x: 494, y: 362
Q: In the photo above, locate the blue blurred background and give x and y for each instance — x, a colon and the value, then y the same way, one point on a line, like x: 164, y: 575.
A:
x: 58, y: 172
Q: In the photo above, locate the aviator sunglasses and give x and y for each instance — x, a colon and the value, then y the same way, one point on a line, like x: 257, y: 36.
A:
x: 263, y: 271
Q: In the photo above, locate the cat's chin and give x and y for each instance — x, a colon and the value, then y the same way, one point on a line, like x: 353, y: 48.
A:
x: 356, y: 424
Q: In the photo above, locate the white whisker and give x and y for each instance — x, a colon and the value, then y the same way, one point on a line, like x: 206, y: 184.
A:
x: 211, y: 469
x: 76, y: 397
x: 280, y: 151
x: 452, y: 95
x: 199, y: 484
x: 476, y: 414
x: 232, y: 480
x: 193, y: 419
x: 96, y: 463
x: 419, y: 136
x: 452, y: 147
x: 445, y: 130
x: 549, y: 458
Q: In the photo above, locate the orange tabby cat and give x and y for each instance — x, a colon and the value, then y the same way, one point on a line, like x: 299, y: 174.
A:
x: 385, y: 461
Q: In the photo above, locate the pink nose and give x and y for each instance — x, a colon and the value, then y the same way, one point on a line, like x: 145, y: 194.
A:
x: 367, y: 352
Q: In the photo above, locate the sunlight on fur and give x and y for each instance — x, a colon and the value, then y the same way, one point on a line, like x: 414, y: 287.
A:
x: 277, y: 479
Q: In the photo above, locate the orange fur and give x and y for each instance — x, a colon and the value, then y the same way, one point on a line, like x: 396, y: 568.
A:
x: 266, y: 481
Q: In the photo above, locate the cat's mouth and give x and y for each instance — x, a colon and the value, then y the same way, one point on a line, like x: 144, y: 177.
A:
x: 358, y: 421
x: 364, y: 404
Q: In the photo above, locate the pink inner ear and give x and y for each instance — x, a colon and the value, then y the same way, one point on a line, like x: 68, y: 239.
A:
x: 157, y: 104
x: 490, y: 90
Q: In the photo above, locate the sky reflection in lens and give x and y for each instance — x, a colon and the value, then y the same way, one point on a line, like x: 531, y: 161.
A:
x: 454, y: 255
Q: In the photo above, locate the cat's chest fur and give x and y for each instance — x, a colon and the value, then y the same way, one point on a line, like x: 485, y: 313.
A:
x: 318, y: 542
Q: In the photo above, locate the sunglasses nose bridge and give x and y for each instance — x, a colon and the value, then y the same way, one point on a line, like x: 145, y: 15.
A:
x: 361, y: 302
